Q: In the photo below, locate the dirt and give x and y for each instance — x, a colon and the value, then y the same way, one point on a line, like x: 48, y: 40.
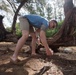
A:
x: 61, y: 63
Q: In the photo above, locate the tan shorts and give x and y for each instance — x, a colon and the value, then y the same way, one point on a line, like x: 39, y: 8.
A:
x: 25, y: 25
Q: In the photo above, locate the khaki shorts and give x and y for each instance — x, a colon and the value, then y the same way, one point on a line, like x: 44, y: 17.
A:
x: 25, y: 25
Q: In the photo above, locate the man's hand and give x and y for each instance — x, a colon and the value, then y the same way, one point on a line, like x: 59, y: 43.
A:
x: 49, y: 52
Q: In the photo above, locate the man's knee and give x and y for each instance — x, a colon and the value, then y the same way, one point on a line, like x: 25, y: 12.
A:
x: 25, y: 33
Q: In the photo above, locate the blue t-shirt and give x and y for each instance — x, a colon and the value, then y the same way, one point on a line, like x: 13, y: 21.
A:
x: 37, y: 21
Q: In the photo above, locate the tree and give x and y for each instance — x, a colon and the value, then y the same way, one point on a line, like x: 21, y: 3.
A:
x: 59, y: 7
x: 16, y: 11
x: 4, y: 35
x: 66, y: 35
x: 12, y: 5
x: 68, y: 6
x: 3, y: 31
x: 49, y: 11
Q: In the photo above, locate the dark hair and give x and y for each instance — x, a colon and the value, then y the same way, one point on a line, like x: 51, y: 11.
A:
x: 55, y: 22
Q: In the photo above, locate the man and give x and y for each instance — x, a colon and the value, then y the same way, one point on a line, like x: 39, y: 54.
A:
x: 31, y: 24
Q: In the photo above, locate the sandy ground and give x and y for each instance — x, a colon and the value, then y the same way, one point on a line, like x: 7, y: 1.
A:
x: 61, y: 63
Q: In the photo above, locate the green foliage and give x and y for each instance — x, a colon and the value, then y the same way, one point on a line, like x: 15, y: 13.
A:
x: 50, y: 33
x: 49, y: 11
x: 18, y: 31
x: 59, y: 24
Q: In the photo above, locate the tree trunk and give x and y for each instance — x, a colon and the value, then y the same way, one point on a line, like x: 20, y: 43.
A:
x: 68, y: 6
x: 3, y: 31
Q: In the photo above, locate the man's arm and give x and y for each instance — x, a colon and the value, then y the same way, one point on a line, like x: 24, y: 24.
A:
x: 44, y: 42
x: 43, y: 39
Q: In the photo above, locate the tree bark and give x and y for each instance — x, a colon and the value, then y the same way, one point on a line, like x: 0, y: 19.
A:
x: 68, y: 5
x: 3, y: 31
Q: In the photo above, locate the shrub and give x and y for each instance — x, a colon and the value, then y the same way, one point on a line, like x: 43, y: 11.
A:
x: 50, y: 33
x: 18, y: 31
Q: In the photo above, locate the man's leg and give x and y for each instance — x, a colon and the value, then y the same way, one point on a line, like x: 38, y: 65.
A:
x: 33, y: 43
x: 20, y: 44
x: 24, y: 26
